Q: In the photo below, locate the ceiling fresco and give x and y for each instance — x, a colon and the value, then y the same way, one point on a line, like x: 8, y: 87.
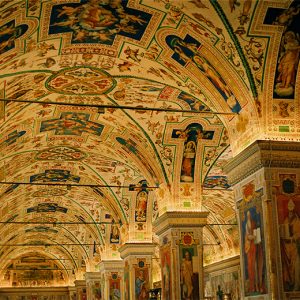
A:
x: 115, y: 111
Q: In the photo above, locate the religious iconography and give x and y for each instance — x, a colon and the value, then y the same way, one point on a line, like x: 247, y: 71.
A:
x: 186, y: 51
x: 141, y: 281
x: 191, y: 135
x: 166, y: 272
x: 188, y: 277
x: 96, y: 291
x: 253, y: 242
x: 287, y: 64
x: 8, y: 34
x: 194, y: 103
x: 55, y: 176
x: 288, y: 58
x: 141, y: 206
x: 114, y: 234
x: 288, y: 207
x: 114, y: 287
x: 71, y: 123
x: 92, y: 21
x: 189, y: 274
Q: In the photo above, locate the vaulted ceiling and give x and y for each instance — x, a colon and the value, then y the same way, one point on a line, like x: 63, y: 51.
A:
x: 99, y: 96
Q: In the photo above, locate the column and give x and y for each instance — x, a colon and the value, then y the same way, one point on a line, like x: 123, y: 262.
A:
x: 181, y: 251
x: 112, y: 274
x: 138, y: 269
x: 266, y: 182
x: 80, y: 286
x: 93, y: 285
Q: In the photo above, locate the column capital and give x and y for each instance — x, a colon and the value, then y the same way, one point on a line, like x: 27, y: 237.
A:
x: 92, y: 275
x: 136, y: 249
x: 111, y: 265
x: 80, y: 282
x: 263, y: 154
x: 179, y: 219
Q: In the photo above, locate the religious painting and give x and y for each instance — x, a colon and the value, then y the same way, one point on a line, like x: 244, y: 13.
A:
x: 252, y: 241
x: 114, y: 287
x: 141, y: 206
x: 142, y: 285
x: 9, y: 32
x: 96, y: 291
x: 187, y: 51
x: 191, y: 135
x: 189, y: 273
x: 194, y: 103
x: 82, y: 294
x: 288, y: 57
x: 288, y: 208
x: 126, y: 281
x: 166, y: 271
x: 98, y: 22
x: 114, y: 234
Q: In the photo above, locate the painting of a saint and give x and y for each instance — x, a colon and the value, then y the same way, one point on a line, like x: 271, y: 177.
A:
x: 97, y: 291
x: 188, y: 161
x: 114, y: 235
x: 188, y: 277
x: 141, y: 206
x: 287, y: 65
x: 186, y: 274
x: 166, y: 272
x: 290, y: 245
x: 288, y: 202
x: 141, y: 284
x: 253, y: 252
x: 288, y: 58
x: 115, y: 290
x: 186, y: 51
x: 192, y: 135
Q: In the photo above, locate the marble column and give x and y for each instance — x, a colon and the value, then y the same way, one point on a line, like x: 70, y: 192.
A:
x: 138, y: 269
x: 266, y: 182
x: 112, y: 274
x: 181, y: 251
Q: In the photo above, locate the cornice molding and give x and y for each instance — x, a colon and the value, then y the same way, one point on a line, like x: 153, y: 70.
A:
x: 262, y: 154
x: 179, y: 219
x: 111, y: 265
x: 232, y: 262
x: 129, y: 249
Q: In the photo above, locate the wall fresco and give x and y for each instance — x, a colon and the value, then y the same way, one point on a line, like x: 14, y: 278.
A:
x: 252, y: 241
x: 288, y: 209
